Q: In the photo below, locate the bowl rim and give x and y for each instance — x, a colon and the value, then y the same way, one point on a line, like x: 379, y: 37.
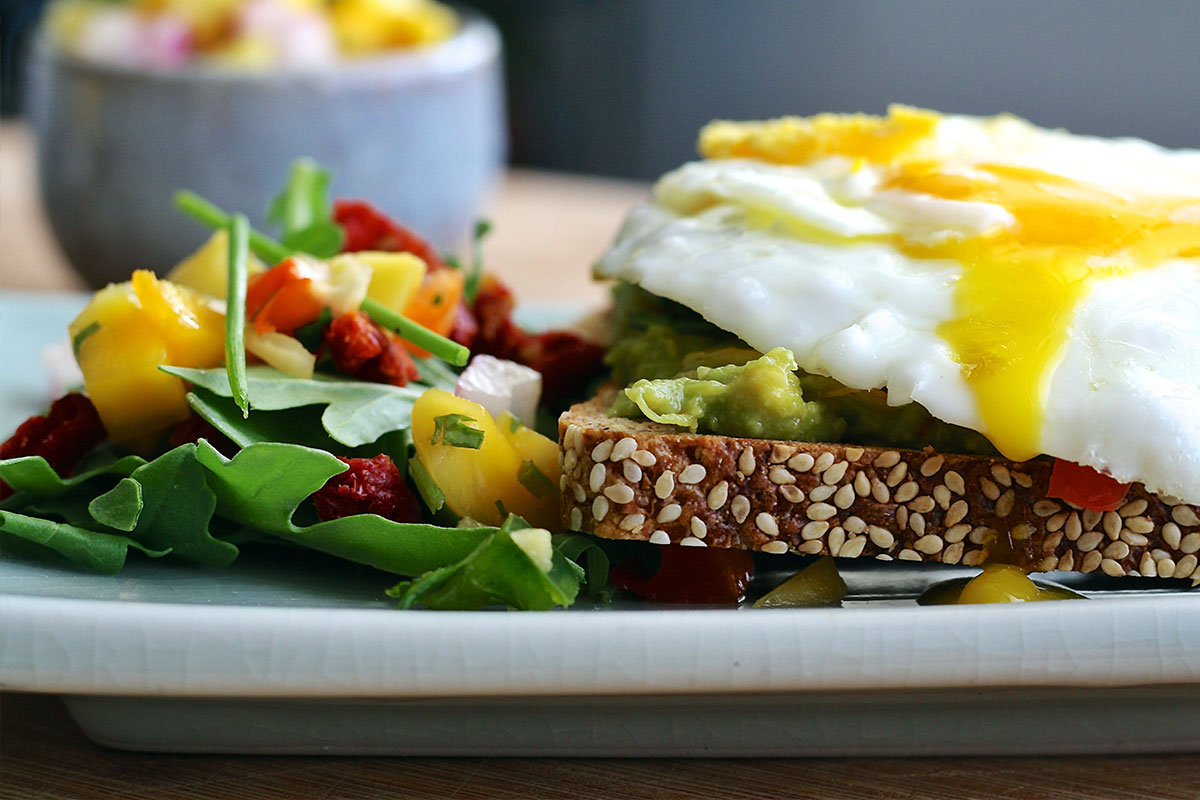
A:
x: 476, y: 43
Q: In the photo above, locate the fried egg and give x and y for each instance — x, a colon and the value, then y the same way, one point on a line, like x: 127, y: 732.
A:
x: 1040, y: 287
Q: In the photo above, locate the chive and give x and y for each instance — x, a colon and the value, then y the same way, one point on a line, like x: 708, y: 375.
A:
x: 198, y: 208
x: 449, y: 351
x: 235, y: 312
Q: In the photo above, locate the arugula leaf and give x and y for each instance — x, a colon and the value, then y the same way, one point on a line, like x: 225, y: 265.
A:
x: 357, y: 413
x: 302, y: 210
x: 498, y: 571
x: 31, y: 477
x: 452, y: 430
x: 580, y: 549
x: 535, y: 480
x: 430, y: 492
x: 100, y: 552
x: 264, y: 485
x: 436, y: 374
x: 119, y: 507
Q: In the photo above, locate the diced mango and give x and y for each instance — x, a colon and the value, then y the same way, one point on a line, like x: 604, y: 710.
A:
x: 194, y: 333
x: 477, y: 482
x: 207, y: 269
x: 532, y: 446
x: 395, y: 277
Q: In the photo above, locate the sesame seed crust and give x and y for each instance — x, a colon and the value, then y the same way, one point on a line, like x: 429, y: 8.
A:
x: 854, y: 501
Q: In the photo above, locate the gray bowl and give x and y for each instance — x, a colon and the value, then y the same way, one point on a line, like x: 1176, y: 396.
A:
x: 420, y: 135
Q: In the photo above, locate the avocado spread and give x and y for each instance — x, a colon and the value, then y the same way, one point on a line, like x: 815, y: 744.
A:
x: 679, y: 369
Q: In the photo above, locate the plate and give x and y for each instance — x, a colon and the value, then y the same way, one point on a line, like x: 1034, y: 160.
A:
x: 305, y: 656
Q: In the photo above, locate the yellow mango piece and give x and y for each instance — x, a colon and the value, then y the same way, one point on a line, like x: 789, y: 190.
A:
x: 207, y: 269
x: 395, y: 277
x: 532, y: 446
x: 193, y: 333
x: 474, y: 480
x: 363, y: 27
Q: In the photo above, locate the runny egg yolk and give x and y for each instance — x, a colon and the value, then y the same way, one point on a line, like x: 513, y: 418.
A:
x: 1020, y: 284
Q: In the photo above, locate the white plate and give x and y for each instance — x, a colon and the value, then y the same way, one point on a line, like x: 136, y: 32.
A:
x: 306, y: 656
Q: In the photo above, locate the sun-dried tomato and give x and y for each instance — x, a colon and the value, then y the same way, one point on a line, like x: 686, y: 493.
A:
x: 368, y: 486
x: 691, y: 575
x: 362, y: 349
x: 466, y: 328
x: 368, y: 228
x: 195, y: 428
x: 69, y: 431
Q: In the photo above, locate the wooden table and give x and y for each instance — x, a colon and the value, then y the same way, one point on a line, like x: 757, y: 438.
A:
x: 548, y: 229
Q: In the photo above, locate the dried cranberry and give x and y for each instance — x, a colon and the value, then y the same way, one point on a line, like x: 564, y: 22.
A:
x: 362, y: 349
x: 691, y: 575
x: 69, y: 431
x: 368, y: 486
x: 368, y: 228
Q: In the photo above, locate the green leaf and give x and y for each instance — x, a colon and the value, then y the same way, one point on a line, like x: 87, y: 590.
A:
x: 430, y: 492
x: 585, y: 552
x: 312, y: 335
x: 100, y: 552
x: 471, y: 285
x: 31, y: 477
x: 535, y: 480
x: 119, y: 507
x: 264, y: 484
x: 302, y: 210
x: 321, y: 239
x: 452, y: 430
x: 436, y: 374
x: 356, y: 414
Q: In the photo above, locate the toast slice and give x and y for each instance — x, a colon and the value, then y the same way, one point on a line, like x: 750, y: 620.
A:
x: 636, y: 479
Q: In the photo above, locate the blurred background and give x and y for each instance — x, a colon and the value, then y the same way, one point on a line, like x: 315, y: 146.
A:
x: 620, y: 87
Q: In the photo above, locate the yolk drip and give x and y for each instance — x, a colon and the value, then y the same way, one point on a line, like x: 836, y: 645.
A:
x: 1020, y: 285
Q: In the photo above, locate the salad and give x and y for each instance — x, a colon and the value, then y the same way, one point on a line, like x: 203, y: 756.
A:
x: 312, y: 391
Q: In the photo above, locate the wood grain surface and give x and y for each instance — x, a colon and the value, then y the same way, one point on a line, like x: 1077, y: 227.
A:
x: 548, y: 229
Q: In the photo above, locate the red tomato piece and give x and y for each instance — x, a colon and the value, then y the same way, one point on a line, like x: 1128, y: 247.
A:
x: 1085, y: 487
x: 282, y: 298
x: 69, y: 431
x: 368, y: 228
x: 369, y: 486
x: 363, y: 350
x: 706, y: 575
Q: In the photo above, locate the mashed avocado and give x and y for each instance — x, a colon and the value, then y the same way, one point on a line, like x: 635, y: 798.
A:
x: 681, y: 370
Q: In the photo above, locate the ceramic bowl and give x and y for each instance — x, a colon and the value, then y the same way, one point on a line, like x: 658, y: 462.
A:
x: 418, y: 134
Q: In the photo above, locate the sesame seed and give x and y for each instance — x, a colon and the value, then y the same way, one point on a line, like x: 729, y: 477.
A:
x: 811, y: 548
x: 897, y: 473
x: 691, y: 541
x: 1133, y: 508
x: 1184, y: 515
x: 766, y: 523
x: 989, y: 488
x: 1112, y: 524
x: 824, y: 462
x: 633, y: 473
x: 1117, y: 549
x: 1045, y: 508
x: 835, y: 473
x: 956, y: 513
x: 955, y: 482
x: 1147, y: 566
x: 664, y: 485
x: 775, y: 548
x: 1186, y: 565
x: 1073, y: 527
x: 929, y: 544
x: 699, y: 529
x: 906, y: 491
x: 1112, y: 568
x: 580, y: 493
x: 902, y: 517
x: 942, y: 495
x: 888, y: 458
x: 981, y: 534
x: 883, y: 557
x: 779, y: 475
x: 792, y: 494
x: 855, y: 524
x: 781, y: 453
x: 853, y: 548
x: 974, y: 558
x: 633, y: 522
x: 660, y: 537
x: 576, y: 518
x: 908, y: 555
x: 562, y: 482
x: 1067, y: 562
x: 821, y: 511
x: 845, y: 497
x: 1046, y: 564
x: 1134, y: 539
x: 837, y: 538
x: 814, y: 530
x: 1021, y: 532
x: 596, y: 479
x: 669, y: 513
x: 956, y: 533
x: 599, y: 508
x: 853, y: 454
x: 801, y: 462
x: 862, y: 484
x: 1023, y: 480
x: 571, y: 437
x: 1190, y: 543
x: 623, y: 449
x: 1052, y: 541
x: 880, y: 537
x: 1171, y: 535
x: 932, y: 465
x: 1091, y: 519
x: 953, y: 553
x: 746, y: 462
x: 602, y: 451
x: 1004, y: 505
x: 569, y: 460
x: 917, y: 523
x: 1158, y: 553
x: 1089, y: 541
x: 1001, y: 475
x: 1165, y: 567
x: 1056, y: 521
x: 923, y: 504
x: 880, y: 491
x: 693, y: 473
x: 718, y: 495
x: 740, y: 508
x: 821, y: 493
x: 644, y: 458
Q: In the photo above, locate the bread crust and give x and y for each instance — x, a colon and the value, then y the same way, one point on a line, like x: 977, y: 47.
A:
x: 635, y: 479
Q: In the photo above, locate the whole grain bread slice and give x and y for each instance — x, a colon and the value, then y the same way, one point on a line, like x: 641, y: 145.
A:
x: 632, y: 479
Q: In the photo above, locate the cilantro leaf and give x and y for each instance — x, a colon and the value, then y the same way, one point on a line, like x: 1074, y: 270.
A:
x: 452, y: 430
x: 535, y: 480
